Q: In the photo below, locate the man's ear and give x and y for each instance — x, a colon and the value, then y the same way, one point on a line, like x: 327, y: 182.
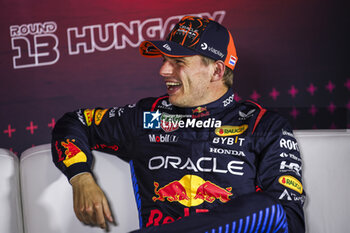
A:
x: 219, y: 70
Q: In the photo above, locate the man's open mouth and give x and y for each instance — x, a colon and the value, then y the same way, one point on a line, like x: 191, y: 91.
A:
x: 172, y: 86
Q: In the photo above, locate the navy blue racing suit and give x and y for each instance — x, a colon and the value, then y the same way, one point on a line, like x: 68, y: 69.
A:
x: 188, y: 161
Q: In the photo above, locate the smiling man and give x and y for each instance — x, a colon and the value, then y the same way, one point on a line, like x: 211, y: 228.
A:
x: 192, y: 83
x: 202, y: 162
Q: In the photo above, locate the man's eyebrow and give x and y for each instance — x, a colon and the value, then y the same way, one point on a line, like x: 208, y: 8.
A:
x: 180, y: 58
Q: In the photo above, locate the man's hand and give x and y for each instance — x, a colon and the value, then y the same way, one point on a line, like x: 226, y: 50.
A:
x: 90, y: 204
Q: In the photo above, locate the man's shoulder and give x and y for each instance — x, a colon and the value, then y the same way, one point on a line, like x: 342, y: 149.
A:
x: 258, y: 108
x: 153, y: 103
x: 265, y: 118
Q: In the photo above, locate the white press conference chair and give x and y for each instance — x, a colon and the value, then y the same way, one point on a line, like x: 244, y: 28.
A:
x: 326, y: 175
x: 47, y: 195
x: 10, y: 202
x: 47, y: 198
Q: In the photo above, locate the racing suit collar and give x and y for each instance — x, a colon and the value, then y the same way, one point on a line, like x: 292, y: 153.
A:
x: 225, y: 101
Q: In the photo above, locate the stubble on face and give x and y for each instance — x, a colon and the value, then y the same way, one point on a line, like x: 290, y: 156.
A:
x: 187, y: 80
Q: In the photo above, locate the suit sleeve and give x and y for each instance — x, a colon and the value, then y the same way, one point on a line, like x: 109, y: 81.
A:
x: 280, y: 168
x: 79, y: 132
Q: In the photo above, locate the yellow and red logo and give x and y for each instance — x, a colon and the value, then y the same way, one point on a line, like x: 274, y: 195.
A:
x: 291, y: 183
x: 191, y: 190
x: 200, y: 112
x: 228, y: 130
x: 89, y: 115
x: 99, y: 115
x: 73, y: 153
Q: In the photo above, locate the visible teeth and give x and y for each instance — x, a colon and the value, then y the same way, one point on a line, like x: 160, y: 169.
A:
x: 172, y: 84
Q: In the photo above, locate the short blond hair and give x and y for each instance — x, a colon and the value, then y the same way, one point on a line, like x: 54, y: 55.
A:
x: 228, y: 74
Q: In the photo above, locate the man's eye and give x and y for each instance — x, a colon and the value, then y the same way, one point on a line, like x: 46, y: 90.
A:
x: 178, y: 61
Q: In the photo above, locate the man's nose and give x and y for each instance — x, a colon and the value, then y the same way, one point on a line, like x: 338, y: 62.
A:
x: 166, y: 69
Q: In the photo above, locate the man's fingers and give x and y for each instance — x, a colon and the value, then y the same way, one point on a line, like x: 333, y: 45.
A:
x: 79, y: 214
x: 85, y: 212
x: 90, y: 204
x: 100, y: 219
x: 106, y: 210
x: 80, y: 210
x: 89, y: 215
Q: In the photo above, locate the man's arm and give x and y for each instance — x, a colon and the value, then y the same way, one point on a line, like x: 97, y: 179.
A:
x: 279, y: 168
x: 73, y: 138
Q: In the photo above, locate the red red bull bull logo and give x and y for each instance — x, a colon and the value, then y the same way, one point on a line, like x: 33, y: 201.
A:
x: 210, y: 192
x: 191, y: 190
x: 200, y: 112
x: 172, y: 192
x: 73, y: 153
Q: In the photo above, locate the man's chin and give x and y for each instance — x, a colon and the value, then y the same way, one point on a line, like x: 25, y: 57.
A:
x: 178, y: 102
x: 175, y: 101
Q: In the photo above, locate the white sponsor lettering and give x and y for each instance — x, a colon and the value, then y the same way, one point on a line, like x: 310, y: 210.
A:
x: 292, y: 196
x: 81, y: 117
x: 228, y: 140
x: 284, y: 155
x: 215, y: 51
x: 120, y: 111
x: 167, y: 47
x: 290, y: 167
x: 226, y: 151
x: 289, y: 155
x: 162, y: 138
x: 285, y: 132
x: 289, y: 144
x: 112, y: 112
x: 210, y: 165
x: 244, y: 116
x: 285, y: 193
x: 296, y: 197
x: 228, y: 100
x: 204, y: 46
x: 165, y: 105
